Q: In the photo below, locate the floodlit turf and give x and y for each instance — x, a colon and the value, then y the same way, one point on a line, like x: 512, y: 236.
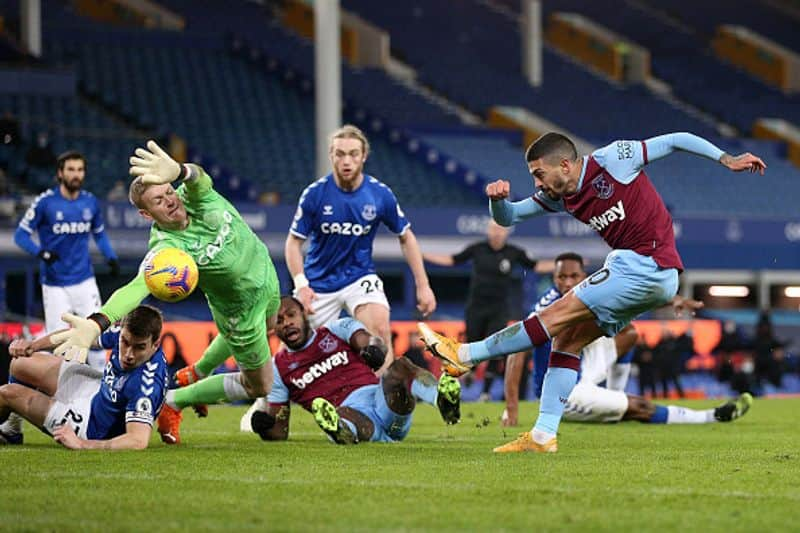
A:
x: 742, y: 476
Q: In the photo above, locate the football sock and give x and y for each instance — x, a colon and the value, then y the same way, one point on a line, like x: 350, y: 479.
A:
x: 660, y: 415
x: 517, y: 337
x: 618, y: 376
x: 214, y: 355
x: 682, y: 415
x: 213, y: 389
x: 424, y: 390
x: 13, y: 424
x: 559, y: 381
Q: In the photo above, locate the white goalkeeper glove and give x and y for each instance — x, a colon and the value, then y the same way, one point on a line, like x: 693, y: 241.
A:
x: 73, y: 344
x: 154, y: 165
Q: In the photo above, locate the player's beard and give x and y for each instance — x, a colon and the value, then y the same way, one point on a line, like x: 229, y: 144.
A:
x: 72, y: 185
x: 352, y: 177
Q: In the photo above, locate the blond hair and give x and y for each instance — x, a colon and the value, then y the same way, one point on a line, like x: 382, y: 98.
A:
x: 348, y: 131
x: 136, y: 190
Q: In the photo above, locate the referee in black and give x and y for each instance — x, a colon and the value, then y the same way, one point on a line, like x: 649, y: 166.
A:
x: 488, y: 308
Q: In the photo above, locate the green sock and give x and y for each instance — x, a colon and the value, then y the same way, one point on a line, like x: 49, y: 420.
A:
x: 208, y: 390
x: 215, y: 355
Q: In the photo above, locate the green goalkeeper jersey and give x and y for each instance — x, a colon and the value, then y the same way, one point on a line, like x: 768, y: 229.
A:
x: 233, y: 262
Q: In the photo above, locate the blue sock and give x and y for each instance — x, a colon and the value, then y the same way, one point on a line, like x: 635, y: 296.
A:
x: 660, y: 416
x: 424, y: 391
x: 512, y: 339
x: 558, y: 384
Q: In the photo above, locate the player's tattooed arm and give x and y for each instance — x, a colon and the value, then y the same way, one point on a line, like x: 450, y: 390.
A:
x: 742, y: 162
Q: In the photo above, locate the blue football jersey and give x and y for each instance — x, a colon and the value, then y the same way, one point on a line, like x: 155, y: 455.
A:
x: 340, y: 227
x: 63, y: 227
x: 127, y: 396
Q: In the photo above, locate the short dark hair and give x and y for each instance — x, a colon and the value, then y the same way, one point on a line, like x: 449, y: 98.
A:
x: 551, y: 144
x: 68, y: 156
x: 570, y: 256
x: 290, y: 298
x: 144, y: 321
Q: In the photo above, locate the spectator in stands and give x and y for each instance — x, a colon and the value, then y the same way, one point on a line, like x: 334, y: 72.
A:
x: 743, y: 378
x: 9, y: 129
x: 730, y: 343
x: 668, y: 363
x: 488, y: 309
x: 643, y: 358
x: 768, y: 353
x: 118, y: 193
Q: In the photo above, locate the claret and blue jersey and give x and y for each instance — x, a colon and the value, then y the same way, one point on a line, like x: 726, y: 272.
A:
x: 340, y: 227
x: 63, y: 226
x: 127, y: 396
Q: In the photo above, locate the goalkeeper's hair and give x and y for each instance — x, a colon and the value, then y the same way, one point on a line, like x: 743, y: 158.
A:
x: 348, y: 131
x: 551, y: 145
x: 144, y: 321
x: 135, y: 192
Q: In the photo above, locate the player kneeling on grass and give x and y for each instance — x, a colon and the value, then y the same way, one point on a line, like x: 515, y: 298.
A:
x: 83, y: 408
x: 330, y: 372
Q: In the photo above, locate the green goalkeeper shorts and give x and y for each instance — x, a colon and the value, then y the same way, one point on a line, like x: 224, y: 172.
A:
x: 245, y: 332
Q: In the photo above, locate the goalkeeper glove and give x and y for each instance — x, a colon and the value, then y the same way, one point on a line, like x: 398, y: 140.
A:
x: 73, y: 344
x: 47, y: 256
x: 155, y: 166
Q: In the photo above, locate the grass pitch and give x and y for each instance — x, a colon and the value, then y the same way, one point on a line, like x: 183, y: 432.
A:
x: 742, y: 476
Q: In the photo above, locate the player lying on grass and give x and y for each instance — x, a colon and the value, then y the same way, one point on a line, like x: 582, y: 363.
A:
x: 330, y: 372
x: 609, y: 191
x: 236, y: 275
x: 82, y: 407
x: 588, y: 401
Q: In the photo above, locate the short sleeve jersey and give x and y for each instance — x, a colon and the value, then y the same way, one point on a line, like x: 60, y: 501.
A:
x: 127, y: 396
x: 63, y: 226
x: 340, y: 227
x: 327, y: 367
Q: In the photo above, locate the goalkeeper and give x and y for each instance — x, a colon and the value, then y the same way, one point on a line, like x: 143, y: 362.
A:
x: 236, y: 275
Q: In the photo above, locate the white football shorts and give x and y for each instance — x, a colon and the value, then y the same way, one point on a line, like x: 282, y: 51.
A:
x: 590, y: 403
x: 328, y: 305
x: 77, y: 385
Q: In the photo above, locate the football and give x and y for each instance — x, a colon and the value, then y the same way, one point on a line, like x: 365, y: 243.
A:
x: 170, y: 274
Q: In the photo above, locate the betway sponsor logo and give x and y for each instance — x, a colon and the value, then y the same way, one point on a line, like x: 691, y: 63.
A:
x: 61, y: 228
x: 344, y: 228
x: 320, y: 369
x: 612, y: 214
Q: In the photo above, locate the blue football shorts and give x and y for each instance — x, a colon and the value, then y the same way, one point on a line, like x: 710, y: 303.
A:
x: 370, y: 401
x: 628, y: 285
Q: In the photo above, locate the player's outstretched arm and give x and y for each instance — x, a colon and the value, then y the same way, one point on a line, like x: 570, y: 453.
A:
x: 508, y: 213
x: 426, y: 301
x: 439, y: 259
x: 136, y: 437
x: 663, y: 145
x: 513, y: 375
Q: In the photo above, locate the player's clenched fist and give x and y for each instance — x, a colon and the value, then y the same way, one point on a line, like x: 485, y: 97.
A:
x: 498, y: 190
